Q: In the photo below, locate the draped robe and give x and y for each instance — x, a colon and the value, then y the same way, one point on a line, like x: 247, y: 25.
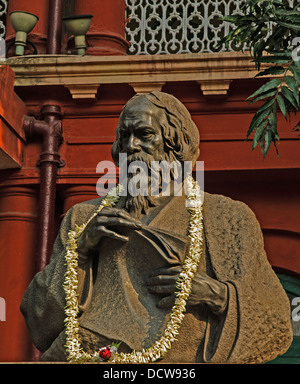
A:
x: 117, y: 306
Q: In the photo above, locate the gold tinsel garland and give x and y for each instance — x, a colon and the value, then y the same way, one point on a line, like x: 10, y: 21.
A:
x: 74, y: 350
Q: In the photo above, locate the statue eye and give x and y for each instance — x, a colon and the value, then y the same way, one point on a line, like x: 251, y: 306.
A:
x: 123, y: 133
x: 147, y: 135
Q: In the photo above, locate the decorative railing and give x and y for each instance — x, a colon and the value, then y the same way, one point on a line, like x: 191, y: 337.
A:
x: 3, y: 11
x: 179, y: 26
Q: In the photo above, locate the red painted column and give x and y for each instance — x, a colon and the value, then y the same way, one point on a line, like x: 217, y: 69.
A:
x: 12, y: 110
x: 18, y: 228
x: 106, y: 35
x: 38, y: 36
x: 74, y: 194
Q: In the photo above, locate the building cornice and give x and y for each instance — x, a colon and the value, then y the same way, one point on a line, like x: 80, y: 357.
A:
x: 83, y: 75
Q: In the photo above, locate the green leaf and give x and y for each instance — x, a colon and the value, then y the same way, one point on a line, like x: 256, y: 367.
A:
x: 297, y: 65
x: 236, y: 31
x: 258, y: 134
x: 286, y: 12
x: 267, y: 104
x: 264, y: 96
x: 276, y: 147
x: 257, y: 119
x: 287, y: 93
x: 294, y: 27
x: 268, y: 140
x: 286, y: 54
x: 258, y: 47
x: 272, y: 84
x: 273, y: 119
x: 274, y: 70
x: 294, y: 18
x: 230, y: 18
x: 274, y: 59
x: 245, y: 35
x: 293, y: 69
x: 275, y: 39
x: 278, y: 2
x: 290, y: 81
x: 281, y: 105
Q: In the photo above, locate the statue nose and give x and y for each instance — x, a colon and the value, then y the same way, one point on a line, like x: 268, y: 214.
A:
x: 133, y: 144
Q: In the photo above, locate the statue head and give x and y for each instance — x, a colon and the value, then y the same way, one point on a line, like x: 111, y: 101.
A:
x: 154, y: 127
x: 159, y: 125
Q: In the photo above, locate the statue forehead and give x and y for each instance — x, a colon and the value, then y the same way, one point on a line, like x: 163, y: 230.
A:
x: 140, y: 106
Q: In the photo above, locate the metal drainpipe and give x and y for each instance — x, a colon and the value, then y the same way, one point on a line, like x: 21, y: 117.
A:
x: 55, y: 26
x: 50, y: 130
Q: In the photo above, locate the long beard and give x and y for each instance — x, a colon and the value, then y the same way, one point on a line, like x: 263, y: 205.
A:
x: 138, y: 205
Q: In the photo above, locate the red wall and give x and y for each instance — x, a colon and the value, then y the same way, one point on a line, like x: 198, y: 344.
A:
x: 271, y: 187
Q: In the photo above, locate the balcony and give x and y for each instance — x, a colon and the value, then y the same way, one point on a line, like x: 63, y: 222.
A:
x: 179, y: 26
x: 171, y: 26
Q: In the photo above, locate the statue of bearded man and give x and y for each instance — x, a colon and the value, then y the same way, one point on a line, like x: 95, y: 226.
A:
x: 131, y: 255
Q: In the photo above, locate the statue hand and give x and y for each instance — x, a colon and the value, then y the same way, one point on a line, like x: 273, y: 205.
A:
x: 101, y: 226
x: 204, y: 289
x: 162, y: 282
x: 209, y: 291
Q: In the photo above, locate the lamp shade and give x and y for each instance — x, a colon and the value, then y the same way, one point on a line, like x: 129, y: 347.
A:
x: 23, y: 21
x: 78, y: 25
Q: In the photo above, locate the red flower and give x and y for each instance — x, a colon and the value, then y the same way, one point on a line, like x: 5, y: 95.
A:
x: 105, y: 353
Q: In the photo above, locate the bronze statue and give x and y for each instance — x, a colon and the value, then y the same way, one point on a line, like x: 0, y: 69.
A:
x: 130, y: 256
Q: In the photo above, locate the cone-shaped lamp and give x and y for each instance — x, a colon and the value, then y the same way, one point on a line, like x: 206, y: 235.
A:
x: 22, y: 23
x: 78, y: 26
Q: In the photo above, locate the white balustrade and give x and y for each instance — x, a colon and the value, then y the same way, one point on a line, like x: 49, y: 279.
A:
x: 178, y: 26
x: 3, y: 11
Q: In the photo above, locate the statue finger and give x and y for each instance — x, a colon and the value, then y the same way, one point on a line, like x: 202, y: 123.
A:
x: 174, y: 270
x: 162, y: 289
x: 113, y: 235
x: 162, y: 280
x: 117, y: 221
x: 166, y: 302
x: 115, y: 212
